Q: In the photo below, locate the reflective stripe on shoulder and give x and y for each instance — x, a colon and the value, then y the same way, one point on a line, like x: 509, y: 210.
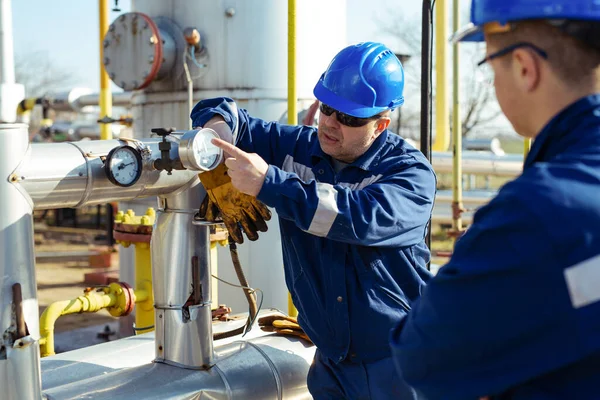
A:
x: 236, y: 118
x: 362, y: 184
x: 327, y: 210
x: 303, y: 172
x: 583, y: 282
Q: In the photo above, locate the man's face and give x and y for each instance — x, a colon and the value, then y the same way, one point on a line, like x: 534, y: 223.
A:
x: 507, y: 94
x: 517, y: 82
x: 346, y: 143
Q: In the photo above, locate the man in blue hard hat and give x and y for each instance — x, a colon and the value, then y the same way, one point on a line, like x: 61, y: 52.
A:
x: 515, y: 314
x: 353, y: 201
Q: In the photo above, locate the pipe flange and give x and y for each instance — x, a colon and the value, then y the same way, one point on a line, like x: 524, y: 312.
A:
x: 133, y: 51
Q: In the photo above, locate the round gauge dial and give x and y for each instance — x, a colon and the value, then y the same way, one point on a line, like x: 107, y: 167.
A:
x: 123, y: 166
x: 197, y: 152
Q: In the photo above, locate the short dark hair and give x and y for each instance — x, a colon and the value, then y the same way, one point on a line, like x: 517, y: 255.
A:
x: 573, y: 59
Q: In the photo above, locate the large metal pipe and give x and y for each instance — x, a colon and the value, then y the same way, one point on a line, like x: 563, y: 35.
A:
x: 19, y: 355
x: 181, y: 282
x: 269, y: 367
x: 480, y: 163
x: 7, y: 61
x: 71, y: 174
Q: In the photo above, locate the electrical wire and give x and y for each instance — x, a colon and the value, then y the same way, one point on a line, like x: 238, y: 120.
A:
x: 252, y: 291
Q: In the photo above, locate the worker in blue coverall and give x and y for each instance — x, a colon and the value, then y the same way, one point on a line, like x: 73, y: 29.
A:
x: 515, y: 314
x: 353, y: 201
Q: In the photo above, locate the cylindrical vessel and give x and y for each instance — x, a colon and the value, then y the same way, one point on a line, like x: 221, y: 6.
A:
x: 19, y: 357
x: 181, y: 282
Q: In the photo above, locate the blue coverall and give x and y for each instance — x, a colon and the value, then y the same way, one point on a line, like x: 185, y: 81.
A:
x: 515, y: 314
x: 353, y: 245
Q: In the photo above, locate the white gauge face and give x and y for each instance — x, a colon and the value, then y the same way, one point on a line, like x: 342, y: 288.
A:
x: 124, y: 166
x: 206, y: 155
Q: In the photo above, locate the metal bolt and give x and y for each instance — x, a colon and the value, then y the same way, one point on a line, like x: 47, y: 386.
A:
x: 230, y: 12
x: 111, y: 28
x: 106, y: 60
x: 106, y: 43
x: 112, y: 76
x: 160, y: 348
x: 145, y: 220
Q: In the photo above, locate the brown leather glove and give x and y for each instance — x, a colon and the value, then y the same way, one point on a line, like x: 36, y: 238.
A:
x: 236, y: 208
x: 283, y: 325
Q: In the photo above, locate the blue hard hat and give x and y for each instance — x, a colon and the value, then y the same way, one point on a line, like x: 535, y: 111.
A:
x: 362, y: 80
x: 504, y: 11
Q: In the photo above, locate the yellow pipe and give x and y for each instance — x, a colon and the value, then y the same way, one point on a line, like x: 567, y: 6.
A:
x: 442, y: 111
x: 105, y: 92
x: 456, y: 127
x: 144, y: 309
x: 292, y: 94
x: 112, y: 298
x: 90, y: 302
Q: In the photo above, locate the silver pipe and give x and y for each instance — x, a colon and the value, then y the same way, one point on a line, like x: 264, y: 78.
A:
x: 19, y: 356
x: 480, y: 163
x: 71, y: 174
x: 77, y: 98
x: 269, y: 367
x: 181, y: 282
x: 7, y: 60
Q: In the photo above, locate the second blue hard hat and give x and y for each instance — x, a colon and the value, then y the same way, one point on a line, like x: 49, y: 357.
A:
x: 500, y: 12
x: 362, y: 80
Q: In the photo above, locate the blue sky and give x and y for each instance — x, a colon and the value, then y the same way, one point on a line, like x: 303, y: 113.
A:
x: 67, y: 30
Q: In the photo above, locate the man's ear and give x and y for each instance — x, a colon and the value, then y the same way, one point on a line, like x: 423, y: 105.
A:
x: 383, y: 123
x: 527, y: 69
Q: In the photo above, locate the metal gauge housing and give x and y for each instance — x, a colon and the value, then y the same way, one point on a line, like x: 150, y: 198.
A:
x: 196, y: 151
x: 123, y: 166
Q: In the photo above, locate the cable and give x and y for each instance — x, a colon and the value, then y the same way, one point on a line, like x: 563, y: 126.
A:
x: 251, y: 291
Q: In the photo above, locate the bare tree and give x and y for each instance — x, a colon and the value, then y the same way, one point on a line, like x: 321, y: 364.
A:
x: 479, y: 106
x: 40, y: 75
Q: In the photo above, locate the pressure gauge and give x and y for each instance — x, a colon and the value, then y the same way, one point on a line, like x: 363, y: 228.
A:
x: 196, y: 151
x: 123, y: 166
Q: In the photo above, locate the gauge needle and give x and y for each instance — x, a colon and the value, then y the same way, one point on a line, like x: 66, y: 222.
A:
x: 121, y: 166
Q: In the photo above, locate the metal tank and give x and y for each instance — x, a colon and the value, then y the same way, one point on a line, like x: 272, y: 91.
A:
x: 240, y: 52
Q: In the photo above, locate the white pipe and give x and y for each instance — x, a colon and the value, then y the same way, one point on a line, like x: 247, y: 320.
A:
x: 7, y: 60
x: 19, y: 357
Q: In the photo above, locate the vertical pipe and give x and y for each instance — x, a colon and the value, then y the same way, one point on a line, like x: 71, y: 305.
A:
x: 426, y: 90
x: 144, y: 311
x: 19, y: 357
x: 105, y: 93
x: 292, y: 95
x: 7, y: 62
x: 457, y: 203
x: 442, y: 111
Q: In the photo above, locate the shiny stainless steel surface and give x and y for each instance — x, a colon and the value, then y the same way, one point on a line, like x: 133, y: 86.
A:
x: 181, y: 282
x: 267, y: 367
x: 72, y: 174
x: 480, y: 163
x: 17, y: 357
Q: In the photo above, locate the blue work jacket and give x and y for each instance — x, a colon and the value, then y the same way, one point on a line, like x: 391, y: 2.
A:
x: 515, y: 314
x: 353, y: 242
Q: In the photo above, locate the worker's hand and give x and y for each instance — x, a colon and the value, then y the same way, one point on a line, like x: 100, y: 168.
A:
x: 247, y: 170
x: 239, y: 211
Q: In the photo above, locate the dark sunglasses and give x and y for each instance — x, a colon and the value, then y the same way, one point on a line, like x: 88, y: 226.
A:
x: 345, y: 119
x: 511, y: 48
